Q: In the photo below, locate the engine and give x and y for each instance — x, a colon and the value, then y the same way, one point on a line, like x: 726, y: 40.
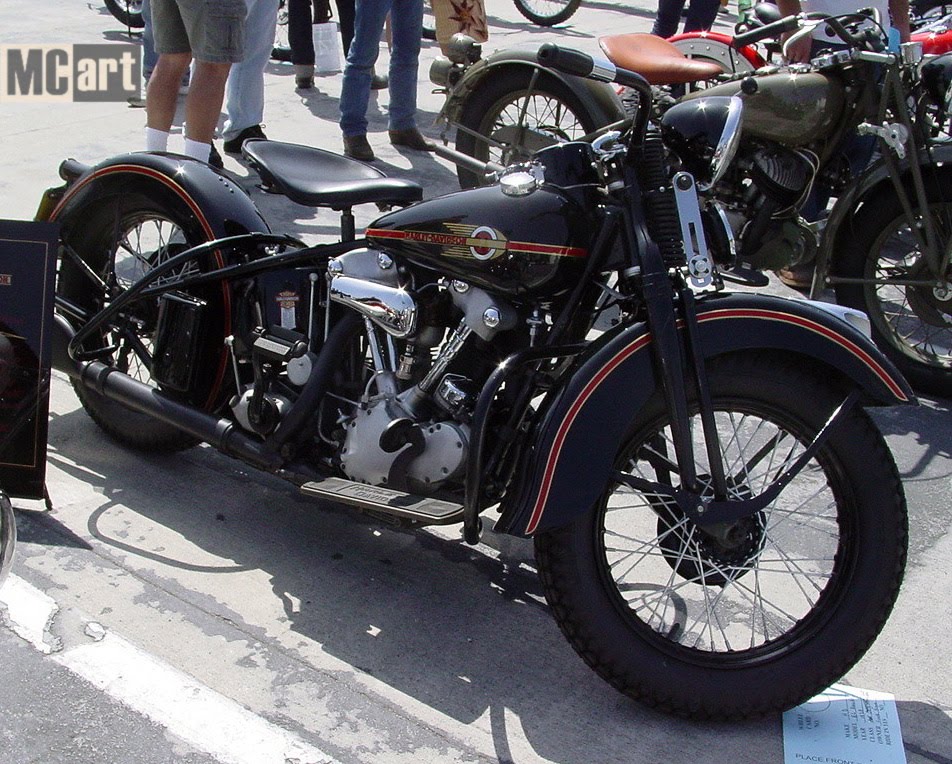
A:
x: 766, y: 216
x: 403, y: 420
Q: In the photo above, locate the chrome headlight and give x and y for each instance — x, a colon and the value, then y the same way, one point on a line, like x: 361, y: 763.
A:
x: 705, y: 133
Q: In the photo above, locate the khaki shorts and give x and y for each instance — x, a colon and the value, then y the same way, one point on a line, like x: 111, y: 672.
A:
x: 211, y: 30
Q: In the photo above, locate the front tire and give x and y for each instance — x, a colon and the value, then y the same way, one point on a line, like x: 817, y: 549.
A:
x: 547, y: 13
x: 762, y: 617
x: 911, y: 324
x: 494, y: 111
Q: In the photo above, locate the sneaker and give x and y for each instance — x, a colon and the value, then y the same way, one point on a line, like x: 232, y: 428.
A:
x: 215, y: 160
x: 233, y: 145
x: 797, y: 276
x: 411, y: 139
x: 357, y: 147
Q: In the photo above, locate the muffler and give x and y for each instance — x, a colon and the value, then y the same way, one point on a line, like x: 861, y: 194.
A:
x: 138, y: 396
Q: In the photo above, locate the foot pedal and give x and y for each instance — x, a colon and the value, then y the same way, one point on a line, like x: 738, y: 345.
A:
x: 385, y: 500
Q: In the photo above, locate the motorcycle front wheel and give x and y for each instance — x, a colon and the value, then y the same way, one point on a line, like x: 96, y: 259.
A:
x: 128, y: 12
x: 508, y: 118
x: 912, y: 324
x: 742, y: 621
x: 547, y: 13
x: 119, y: 240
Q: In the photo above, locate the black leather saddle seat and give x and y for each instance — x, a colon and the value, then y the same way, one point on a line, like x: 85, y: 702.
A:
x: 318, y: 178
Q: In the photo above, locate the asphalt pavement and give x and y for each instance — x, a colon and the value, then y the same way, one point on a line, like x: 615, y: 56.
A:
x: 187, y: 609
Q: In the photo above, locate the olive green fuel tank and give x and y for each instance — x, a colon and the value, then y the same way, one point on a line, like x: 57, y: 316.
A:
x: 793, y: 109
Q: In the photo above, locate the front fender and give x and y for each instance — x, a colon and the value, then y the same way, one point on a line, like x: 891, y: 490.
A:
x: 586, y: 419
x: 221, y: 207
x: 875, y: 180
x: 598, y: 98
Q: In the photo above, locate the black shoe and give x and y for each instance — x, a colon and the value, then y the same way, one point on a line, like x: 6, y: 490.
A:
x: 357, y: 147
x: 233, y: 145
x: 411, y: 139
x: 215, y: 160
x: 304, y: 83
x: 379, y: 81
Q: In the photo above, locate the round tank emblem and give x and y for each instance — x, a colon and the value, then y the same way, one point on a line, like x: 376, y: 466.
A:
x: 492, y: 239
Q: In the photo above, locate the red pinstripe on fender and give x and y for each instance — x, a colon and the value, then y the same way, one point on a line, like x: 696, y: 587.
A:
x: 642, y: 341
x: 200, y: 216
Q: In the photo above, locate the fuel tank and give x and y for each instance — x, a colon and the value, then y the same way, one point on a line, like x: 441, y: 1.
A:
x: 536, y: 244
x: 791, y: 108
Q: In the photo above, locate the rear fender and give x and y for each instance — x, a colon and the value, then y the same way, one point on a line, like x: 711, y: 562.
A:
x: 717, y: 46
x: 586, y: 420
x: 220, y: 206
x: 598, y: 98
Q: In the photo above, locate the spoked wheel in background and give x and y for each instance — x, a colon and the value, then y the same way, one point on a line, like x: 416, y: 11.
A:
x: 744, y: 620
x: 129, y: 12
x: 911, y: 323
x: 120, y: 240
x: 546, y: 13
x: 514, y: 121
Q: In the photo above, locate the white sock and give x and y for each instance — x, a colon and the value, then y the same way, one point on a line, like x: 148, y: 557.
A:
x: 156, y: 140
x: 197, y: 149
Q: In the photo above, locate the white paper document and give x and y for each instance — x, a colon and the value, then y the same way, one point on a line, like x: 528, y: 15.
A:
x: 844, y: 725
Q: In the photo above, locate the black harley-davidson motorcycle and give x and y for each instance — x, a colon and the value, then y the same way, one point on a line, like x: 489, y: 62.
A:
x: 719, y: 527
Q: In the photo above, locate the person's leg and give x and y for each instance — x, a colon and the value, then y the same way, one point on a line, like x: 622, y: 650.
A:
x: 406, y: 23
x: 300, y: 36
x: 701, y: 15
x: 668, y: 18
x: 346, y: 13
x: 162, y: 92
x: 149, y: 57
x: 203, y: 104
x: 244, y: 94
x: 364, y: 49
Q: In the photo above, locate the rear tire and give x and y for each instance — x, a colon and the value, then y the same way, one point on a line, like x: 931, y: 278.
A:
x: 120, y: 239
x: 128, y: 12
x: 762, y: 618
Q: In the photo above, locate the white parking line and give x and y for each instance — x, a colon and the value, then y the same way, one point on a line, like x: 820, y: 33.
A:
x: 190, y: 710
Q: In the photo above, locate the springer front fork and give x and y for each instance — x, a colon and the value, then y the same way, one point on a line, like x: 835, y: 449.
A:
x: 680, y: 365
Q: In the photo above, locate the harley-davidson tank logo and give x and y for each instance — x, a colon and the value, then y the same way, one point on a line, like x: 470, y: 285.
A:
x: 6, y: 279
x: 475, y: 242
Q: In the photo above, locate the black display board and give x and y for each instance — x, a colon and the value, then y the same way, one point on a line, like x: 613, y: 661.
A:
x: 27, y: 273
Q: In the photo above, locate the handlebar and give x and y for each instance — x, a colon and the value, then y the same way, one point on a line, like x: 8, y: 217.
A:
x: 774, y: 29
x: 581, y: 64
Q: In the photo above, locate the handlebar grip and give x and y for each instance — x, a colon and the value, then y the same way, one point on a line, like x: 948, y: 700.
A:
x: 569, y: 61
x: 774, y: 29
x: 581, y: 64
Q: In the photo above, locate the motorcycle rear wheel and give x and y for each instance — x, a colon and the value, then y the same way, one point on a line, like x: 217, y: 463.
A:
x: 120, y: 240
x: 707, y: 628
x: 911, y: 324
x: 129, y: 12
x: 552, y: 114
x: 547, y: 13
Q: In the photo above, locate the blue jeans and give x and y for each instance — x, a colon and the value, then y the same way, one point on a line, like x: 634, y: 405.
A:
x: 406, y: 23
x: 149, y: 57
x: 701, y: 15
x: 244, y: 93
